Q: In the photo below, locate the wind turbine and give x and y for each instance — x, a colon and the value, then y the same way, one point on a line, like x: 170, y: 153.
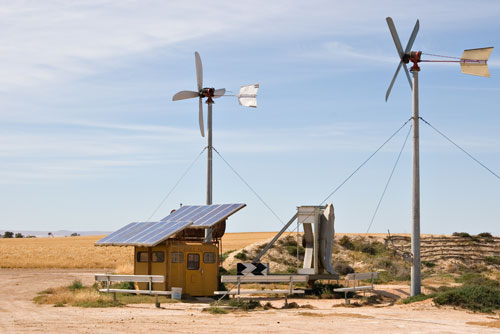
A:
x: 474, y: 62
x: 247, y: 97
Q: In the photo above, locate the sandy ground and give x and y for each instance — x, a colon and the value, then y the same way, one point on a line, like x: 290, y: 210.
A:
x: 18, y: 314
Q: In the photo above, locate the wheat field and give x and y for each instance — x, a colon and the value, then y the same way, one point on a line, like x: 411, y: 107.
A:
x: 80, y: 252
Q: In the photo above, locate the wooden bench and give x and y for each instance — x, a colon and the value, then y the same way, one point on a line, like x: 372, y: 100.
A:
x: 290, y: 279
x: 150, y: 279
x: 355, y: 278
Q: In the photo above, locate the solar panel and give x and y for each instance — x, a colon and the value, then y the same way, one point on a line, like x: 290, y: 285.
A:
x: 204, y: 216
x: 143, y: 234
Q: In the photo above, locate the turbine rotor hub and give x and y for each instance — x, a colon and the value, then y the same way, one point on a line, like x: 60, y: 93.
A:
x: 207, y: 92
x: 415, y: 57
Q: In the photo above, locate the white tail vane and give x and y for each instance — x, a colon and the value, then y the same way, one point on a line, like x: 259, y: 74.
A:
x: 248, y: 95
x: 475, y: 61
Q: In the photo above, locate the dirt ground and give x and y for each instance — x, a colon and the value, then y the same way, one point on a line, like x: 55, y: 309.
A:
x: 18, y: 314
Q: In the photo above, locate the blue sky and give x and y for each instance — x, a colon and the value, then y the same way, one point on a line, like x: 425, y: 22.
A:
x: 90, y: 139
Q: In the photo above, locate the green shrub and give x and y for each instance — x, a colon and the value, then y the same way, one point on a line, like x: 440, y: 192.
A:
x: 241, y: 256
x: 290, y: 242
x: 216, y: 310
x: 417, y: 298
x: 292, y: 250
x: 343, y: 268
x: 325, y: 291
x: 76, y: 285
x: 290, y: 305
x: 494, y: 260
x: 223, y: 271
x: 346, y: 242
x: 244, y: 304
x: 485, y: 235
x: 400, y: 274
x: 472, y: 297
x: 461, y: 234
x: 384, y: 263
x: 368, y: 249
x: 384, y: 277
x: 224, y: 255
x: 127, y: 285
x: 474, y: 279
x: 429, y: 264
x: 98, y: 303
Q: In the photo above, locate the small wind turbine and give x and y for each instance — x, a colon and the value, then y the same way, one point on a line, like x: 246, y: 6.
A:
x: 473, y: 61
x: 247, y: 97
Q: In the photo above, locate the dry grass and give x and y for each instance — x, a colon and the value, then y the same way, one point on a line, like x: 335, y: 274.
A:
x: 62, y: 252
x: 80, y: 252
x: 235, y: 241
x: 348, y: 315
x: 313, y: 314
x: 353, y: 315
x: 491, y: 324
x: 82, y: 296
x: 125, y: 269
x: 64, y: 296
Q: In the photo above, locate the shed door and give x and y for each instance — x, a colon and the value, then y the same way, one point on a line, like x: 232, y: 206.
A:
x: 194, y: 281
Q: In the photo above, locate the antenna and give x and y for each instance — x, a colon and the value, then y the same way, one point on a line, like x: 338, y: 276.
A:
x: 474, y: 62
x: 247, y: 97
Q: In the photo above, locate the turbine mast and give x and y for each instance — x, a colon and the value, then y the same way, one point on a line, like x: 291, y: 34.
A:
x: 208, y: 231
x: 415, y: 212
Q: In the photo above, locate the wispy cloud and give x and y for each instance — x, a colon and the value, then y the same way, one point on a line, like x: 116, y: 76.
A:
x: 50, y: 41
x: 96, y: 148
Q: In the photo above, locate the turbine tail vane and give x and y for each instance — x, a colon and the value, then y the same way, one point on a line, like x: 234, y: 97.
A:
x: 475, y: 61
x: 248, y: 95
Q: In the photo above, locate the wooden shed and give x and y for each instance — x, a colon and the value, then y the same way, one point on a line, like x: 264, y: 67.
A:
x: 184, y: 247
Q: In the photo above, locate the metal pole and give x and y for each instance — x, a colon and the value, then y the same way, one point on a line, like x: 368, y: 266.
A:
x: 415, y: 218
x: 208, y: 231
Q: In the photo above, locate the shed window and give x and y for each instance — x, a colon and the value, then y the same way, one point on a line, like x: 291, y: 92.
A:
x: 142, y: 257
x: 177, y: 257
x: 158, y: 256
x: 209, y: 257
x: 193, y: 261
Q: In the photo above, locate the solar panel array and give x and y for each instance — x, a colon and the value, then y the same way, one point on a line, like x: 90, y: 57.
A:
x: 204, y: 216
x: 143, y: 234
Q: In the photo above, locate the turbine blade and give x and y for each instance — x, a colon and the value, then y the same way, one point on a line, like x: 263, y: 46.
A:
x: 199, y: 70
x: 185, y: 94
x: 408, y: 76
x: 395, y: 37
x: 393, y: 80
x: 200, y: 117
x: 412, y: 37
x: 219, y: 92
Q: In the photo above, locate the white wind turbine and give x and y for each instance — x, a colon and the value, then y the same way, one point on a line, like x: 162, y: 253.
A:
x: 474, y: 62
x: 247, y: 97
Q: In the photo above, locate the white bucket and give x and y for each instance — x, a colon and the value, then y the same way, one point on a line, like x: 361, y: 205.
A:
x: 176, y: 293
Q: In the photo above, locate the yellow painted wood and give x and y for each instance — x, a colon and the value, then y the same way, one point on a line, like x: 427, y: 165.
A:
x: 195, y: 282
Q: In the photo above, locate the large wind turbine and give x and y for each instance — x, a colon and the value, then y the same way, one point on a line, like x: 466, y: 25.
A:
x: 473, y: 61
